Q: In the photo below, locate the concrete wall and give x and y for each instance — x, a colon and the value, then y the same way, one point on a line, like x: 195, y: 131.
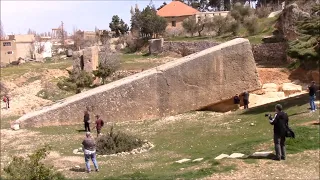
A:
x: 189, y: 83
x: 23, y: 49
x: 5, y: 57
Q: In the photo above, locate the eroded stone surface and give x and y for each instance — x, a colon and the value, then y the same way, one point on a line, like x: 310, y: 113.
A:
x: 186, y: 84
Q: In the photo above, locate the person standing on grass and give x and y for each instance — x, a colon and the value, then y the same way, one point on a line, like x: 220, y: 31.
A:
x: 246, y: 99
x: 89, y: 149
x: 312, y: 96
x: 280, y: 124
x: 99, y: 124
x: 86, y: 120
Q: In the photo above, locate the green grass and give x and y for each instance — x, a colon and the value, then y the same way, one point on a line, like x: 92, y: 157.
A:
x: 138, y: 61
x: 5, y: 122
x: 265, y: 29
x: 17, y: 71
x: 193, y: 135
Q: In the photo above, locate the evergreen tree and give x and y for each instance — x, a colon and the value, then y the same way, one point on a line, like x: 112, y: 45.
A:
x: 118, y: 26
x: 307, y: 47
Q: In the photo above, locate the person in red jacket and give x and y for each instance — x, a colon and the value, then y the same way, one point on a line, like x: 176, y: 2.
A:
x: 6, y: 100
x: 99, y: 124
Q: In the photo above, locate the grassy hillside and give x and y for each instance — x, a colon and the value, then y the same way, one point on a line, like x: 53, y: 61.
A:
x: 191, y: 135
x: 266, y: 27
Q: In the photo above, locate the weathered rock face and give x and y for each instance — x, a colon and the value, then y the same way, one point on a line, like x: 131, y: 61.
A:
x: 156, y: 46
x: 86, y: 59
x: 270, y: 53
x: 289, y: 16
x: 189, y: 83
x: 191, y: 47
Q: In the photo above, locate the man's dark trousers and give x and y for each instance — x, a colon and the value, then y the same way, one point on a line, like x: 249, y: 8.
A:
x: 87, y: 126
x: 279, y: 146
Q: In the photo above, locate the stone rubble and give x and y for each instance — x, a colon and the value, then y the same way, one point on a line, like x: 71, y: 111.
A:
x: 183, y: 160
x: 144, y: 148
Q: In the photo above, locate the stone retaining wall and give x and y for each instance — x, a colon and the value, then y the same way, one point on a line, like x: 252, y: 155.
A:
x: 186, y: 84
x: 270, y: 53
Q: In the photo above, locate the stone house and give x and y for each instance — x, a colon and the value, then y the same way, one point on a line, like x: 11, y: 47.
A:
x: 17, y: 46
x: 176, y: 12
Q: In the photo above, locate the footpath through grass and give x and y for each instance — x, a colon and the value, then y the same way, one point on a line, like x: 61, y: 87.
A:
x: 192, y: 135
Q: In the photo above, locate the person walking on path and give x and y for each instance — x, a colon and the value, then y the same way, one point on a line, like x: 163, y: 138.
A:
x: 99, y: 124
x: 6, y: 100
x: 89, y: 149
x: 86, y: 120
x: 280, y: 123
x: 312, y: 96
x: 246, y: 99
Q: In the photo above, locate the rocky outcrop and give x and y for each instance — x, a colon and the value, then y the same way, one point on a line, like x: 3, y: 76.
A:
x: 289, y: 16
x: 86, y: 59
x: 155, y: 46
x: 186, y: 84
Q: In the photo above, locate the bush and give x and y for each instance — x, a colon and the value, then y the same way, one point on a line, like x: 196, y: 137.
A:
x: 190, y: 25
x: 251, y: 24
x: 239, y: 12
x: 134, y: 44
x: 76, y: 81
x: 32, y: 168
x: 263, y: 12
x: 112, y: 143
x: 234, y: 27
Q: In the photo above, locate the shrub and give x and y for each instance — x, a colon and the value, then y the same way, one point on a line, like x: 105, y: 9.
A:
x: 76, y: 81
x: 251, y: 24
x: 190, y: 25
x: 263, y: 12
x: 112, y: 143
x: 109, y: 62
x: 32, y: 168
x: 234, y: 27
x: 218, y: 24
x: 239, y: 12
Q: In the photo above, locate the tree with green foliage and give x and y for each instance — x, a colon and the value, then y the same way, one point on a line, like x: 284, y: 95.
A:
x: 77, y: 80
x: 32, y: 168
x: 307, y: 47
x: 251, y: 24
x: 239, y: 12
x: 190, y: 25
x: 203, y: 22
x: 109, y: 62
x: 118, y: 26
x: 150, y: 23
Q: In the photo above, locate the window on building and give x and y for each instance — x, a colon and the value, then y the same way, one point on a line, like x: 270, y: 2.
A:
x: 6, y: 43
x: 173, y: 23
x: 9, y: 52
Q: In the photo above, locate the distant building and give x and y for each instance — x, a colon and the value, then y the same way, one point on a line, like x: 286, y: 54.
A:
x: 44, y: 47
x: 176, y: 12
x: 17, y: 46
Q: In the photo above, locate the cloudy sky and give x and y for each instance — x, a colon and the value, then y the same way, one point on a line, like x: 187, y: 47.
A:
x: 41, y: 16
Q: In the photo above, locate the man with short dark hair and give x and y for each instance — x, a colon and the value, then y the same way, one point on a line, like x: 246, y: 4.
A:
x: 89, y: 149
x: 280, y: 124
x: 312, y: 96
x: 86, y: 119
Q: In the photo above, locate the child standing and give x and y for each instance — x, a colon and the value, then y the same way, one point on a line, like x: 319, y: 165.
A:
x: 99, y: 124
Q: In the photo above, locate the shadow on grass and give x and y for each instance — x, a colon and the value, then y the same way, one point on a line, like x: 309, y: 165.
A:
x: 81, y: 130
x: 78, y: 169
x: 299, y: 100
x: 270, y: 157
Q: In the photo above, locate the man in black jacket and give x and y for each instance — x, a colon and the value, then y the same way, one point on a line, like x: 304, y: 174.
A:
x: 86, y: 119
x: 280, y: 124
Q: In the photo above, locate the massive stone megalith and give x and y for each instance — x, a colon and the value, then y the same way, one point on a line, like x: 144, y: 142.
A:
x: 186, y: 84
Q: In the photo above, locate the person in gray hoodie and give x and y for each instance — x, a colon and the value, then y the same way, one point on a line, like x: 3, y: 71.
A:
x: 89, y: 149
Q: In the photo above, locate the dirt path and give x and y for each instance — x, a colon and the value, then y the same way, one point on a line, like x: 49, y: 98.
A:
x: 297, y: 166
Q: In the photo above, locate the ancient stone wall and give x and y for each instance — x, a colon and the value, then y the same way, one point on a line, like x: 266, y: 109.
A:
x: 270, y: 53
x: 186, y: 84
x: 86, y: 59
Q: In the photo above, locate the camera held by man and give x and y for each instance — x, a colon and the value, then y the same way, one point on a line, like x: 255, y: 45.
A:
x: 281, y: 130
